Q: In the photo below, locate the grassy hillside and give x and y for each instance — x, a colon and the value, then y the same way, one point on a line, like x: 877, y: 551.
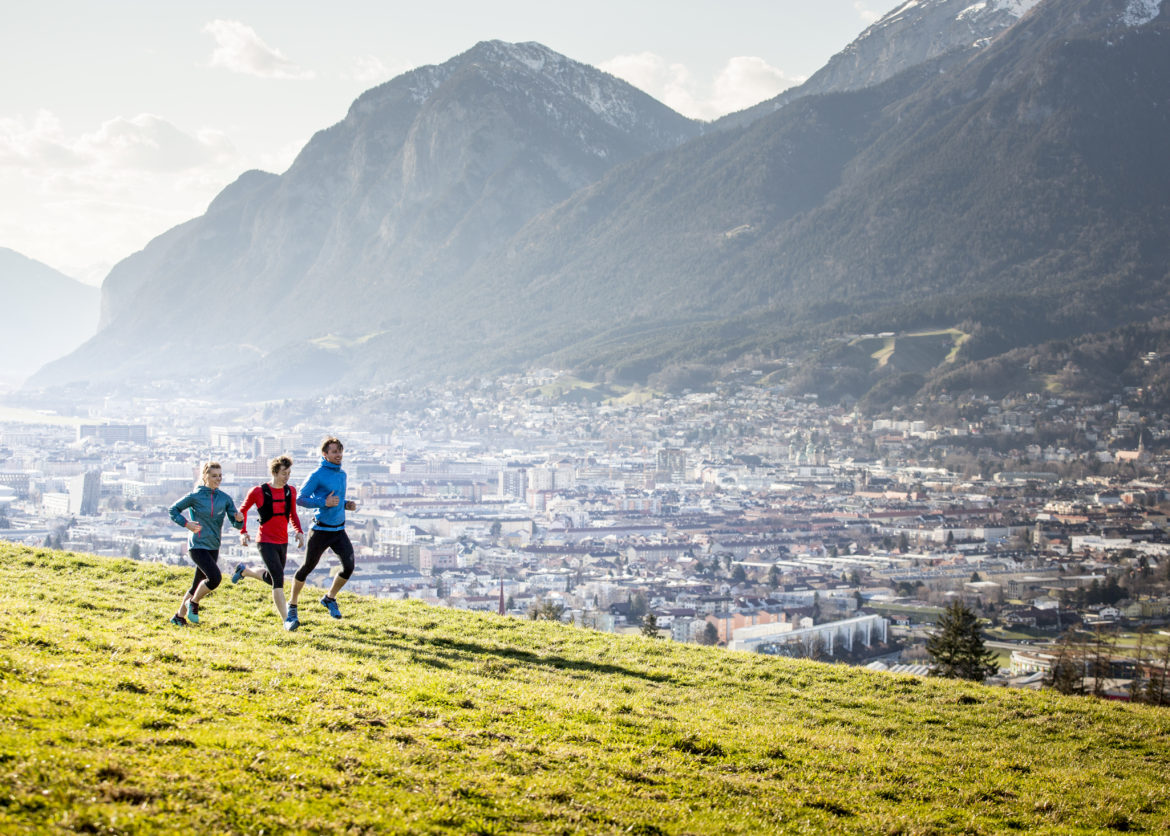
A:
x: 407, y: 719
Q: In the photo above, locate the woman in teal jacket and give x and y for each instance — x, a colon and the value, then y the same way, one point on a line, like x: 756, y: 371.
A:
x: 207, y: 506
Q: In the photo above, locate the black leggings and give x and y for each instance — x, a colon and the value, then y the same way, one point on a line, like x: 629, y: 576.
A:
x: 319, y: 541
x: 206, y: 568
x: 274, y: 555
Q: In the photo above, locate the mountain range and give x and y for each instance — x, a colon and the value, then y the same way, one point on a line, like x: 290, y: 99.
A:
x: 995, y: 167
x: 47, y: 314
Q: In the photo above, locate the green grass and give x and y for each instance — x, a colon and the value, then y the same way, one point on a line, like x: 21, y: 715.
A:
x: 918, y: 351
x: 407, y: 719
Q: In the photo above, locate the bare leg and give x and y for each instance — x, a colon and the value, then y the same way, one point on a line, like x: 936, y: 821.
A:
x: 278, y: 600
x: 296, y: 592
x: 200, y: 592
x: 335, y: 587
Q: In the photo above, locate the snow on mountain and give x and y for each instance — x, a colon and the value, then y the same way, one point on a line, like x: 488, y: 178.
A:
x: 969, y: 12
x: 1141, y: 12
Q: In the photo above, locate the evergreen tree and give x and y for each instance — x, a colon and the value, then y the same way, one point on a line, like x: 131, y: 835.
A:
x: 709, y: 636
x: 638, y: 608
x: 650, y: 626
x: 957, y: 647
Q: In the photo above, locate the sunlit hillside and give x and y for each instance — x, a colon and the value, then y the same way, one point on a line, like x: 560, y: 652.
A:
x: 404, y: 718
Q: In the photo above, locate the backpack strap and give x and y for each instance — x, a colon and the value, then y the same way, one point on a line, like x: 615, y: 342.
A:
x: 265, y: 509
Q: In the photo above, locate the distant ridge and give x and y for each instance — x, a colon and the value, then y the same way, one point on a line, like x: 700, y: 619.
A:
x: 47, y: 314
x: 913, y: 33
x: 512, y: 207
x: 375, y: 218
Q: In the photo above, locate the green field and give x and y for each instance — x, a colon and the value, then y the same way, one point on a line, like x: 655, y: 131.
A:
x: 402, y: 718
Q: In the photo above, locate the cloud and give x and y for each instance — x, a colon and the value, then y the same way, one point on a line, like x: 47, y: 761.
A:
x: 366, y: 69
x: 81, y: 202
x: 866, y: 14
x: 747, y: 81
x: 743, y: 82
x: 239, y: 49
x: 144, y: 143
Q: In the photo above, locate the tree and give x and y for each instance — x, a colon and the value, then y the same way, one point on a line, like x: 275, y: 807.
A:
x: 774, y: 577
x: 650, y: 626
x: 957, y: 646
x: 135, y: 552
x: 709, y: 636
x: 547, y: 611
x: 638, y: 608
x: 1066, y: 674
x: 739, y: 574
x: 1156, y: 685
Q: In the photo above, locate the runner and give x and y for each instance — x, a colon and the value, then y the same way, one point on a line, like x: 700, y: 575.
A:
x: 276, y: 506
x: 208, y: 506
x: 325, y: 491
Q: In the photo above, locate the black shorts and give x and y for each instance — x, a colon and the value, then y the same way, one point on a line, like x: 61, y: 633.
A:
x: 206, y: 568
x: 274, y: 556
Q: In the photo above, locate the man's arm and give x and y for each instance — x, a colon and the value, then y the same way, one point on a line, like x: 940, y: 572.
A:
x: 250, y: 500
x: 306, y: 496
x: 293, y: 517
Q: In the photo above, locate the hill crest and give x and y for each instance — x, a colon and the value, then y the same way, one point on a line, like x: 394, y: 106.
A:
x: 404, y: 718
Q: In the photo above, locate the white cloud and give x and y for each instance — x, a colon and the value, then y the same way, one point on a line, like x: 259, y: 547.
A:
x: 367, y: 69
x: 144, y: 143
x: 81, y: 202
x: 239, y: 49
x: 866, y: 14
x: 743, y: 82
x: 747, y: 81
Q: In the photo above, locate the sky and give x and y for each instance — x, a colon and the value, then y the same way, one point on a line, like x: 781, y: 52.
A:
x: 121, y: 120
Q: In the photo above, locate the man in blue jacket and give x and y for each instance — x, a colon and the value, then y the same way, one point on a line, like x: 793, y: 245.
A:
x: 325, y: 491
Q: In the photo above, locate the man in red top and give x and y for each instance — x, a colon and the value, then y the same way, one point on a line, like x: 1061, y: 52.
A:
x: 276, y: 504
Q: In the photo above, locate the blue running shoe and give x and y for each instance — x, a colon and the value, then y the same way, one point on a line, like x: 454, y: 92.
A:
x: 291, y: 623
x: 193, y: 612
x: 238, y: 575
x: 178, y: 620
x: 331, y: 605
x: 292, y: 613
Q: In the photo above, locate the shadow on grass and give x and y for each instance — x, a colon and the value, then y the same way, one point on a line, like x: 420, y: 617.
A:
x: 442, y: 650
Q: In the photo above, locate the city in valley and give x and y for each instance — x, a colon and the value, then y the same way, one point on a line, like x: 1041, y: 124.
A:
x: 741, y: 517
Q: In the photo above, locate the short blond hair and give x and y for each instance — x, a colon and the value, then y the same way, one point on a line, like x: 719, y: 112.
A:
x: 279, y: 463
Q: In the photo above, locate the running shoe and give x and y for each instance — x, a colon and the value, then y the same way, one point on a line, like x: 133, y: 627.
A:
x: 193, y: 612
x: 292, y: 612
x: 178, y: 620
x: 331, y: 605
x: 238, y: 575
x: 291, y: 623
